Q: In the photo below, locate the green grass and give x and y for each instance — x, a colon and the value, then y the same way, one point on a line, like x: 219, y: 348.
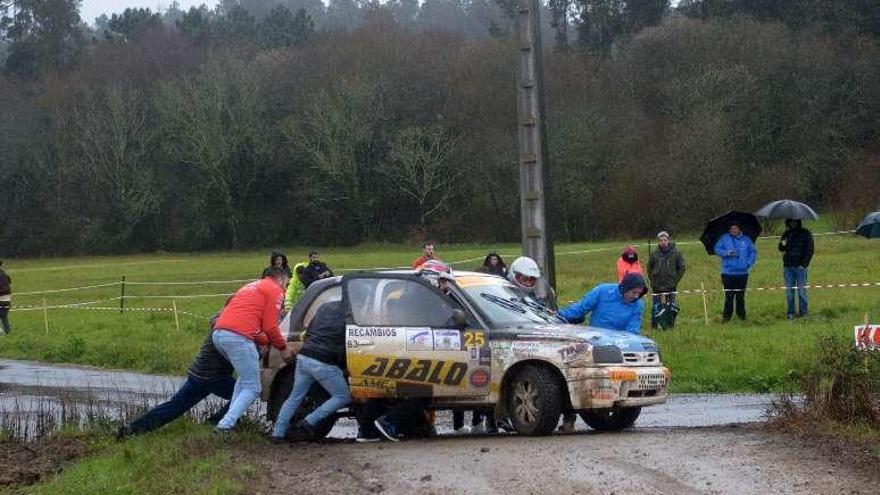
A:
x: 753, y: 356
x: 183, y: 458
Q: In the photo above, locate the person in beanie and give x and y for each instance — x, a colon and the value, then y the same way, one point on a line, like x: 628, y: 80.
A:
x: 666, y: 267
x: 738, y: 256
x: 612, y: 306
x: 796, y: 246
x: 628, y: 263
x: 5, y: 298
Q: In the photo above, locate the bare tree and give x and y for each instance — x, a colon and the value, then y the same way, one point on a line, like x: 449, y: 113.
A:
x: 420, y: 168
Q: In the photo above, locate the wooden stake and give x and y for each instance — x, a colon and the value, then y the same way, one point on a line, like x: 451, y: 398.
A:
x: 46, y: 316
x: 176, y: 320
x: 705, y: 305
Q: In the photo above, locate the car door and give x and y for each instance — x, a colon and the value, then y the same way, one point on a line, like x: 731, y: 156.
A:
x: 402, y: 340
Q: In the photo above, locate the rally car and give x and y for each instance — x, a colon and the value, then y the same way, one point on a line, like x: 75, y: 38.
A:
x: 480, y: 344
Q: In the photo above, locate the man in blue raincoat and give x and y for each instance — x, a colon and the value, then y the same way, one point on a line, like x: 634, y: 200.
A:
x: 612, y: 306
x: 738, y: 256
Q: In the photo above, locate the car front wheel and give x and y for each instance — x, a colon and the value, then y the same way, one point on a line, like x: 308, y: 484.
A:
x: 534, y: 400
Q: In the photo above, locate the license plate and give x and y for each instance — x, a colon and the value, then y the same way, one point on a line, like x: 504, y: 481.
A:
x: 651, y: 382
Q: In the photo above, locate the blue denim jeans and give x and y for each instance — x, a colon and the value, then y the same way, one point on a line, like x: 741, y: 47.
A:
x: 309, y: 371
x: 191, y: 393
x: 242, y: 353
x: 795, y: 276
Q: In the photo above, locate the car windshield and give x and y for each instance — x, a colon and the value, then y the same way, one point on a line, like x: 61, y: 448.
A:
x: 505, y: 305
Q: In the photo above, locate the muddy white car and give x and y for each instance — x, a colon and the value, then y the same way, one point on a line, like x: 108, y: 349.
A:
x: 481, y: 345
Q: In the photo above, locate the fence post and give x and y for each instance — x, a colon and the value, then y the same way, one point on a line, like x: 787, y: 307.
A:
x: 122, y: 296
x: 176, y: 320
x: 705, y: 305
x: 46, y: 316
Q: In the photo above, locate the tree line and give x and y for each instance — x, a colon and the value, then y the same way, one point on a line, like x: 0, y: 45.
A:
x: 266, y: 122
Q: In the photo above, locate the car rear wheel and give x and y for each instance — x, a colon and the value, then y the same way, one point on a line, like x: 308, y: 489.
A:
x: 281, y: 388
x: 534, y: 400
x: 611, y: 419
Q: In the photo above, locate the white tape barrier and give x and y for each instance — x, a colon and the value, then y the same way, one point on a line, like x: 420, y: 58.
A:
x: 750, y: 289
x: 407, y: 267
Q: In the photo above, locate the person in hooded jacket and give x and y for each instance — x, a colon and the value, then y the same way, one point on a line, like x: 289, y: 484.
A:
x: 5, y: 298
x: 666, y: 267
x: 493, y: 265
x: 738, y: 256
x: 611, y: 306
x: 277, y: 260
x: 297, y: 285
x: 628, y: 263
x: 796, y: 244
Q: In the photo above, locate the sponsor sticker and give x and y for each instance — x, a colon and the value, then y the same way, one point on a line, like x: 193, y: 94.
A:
x: 573, y: 352
x: 447, y: 340
x: 380, y: 332
x: 419, y: 339
x: 526, y: 348
x: 447, y: 373
x: 485, y: 356
x: 479, y: 378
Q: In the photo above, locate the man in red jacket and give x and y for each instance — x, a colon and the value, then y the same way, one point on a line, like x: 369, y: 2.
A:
x: 250, y: 319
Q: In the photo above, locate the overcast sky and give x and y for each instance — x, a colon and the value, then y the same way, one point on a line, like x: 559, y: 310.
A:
x: 93, y: 8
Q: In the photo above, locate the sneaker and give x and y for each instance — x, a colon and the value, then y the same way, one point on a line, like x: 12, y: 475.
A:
x: 506, y: 426
x: 464, y: 430
x: 124, y: 432
x: 387, y: 429
x: 222, y: 433
x: 301, y: 431
x: 567, y: 426
x: 367, y: 438
x: 790, y: 317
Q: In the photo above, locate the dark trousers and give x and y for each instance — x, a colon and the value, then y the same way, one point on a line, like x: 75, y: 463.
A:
x: 191, y: 393
x: 664, y: 296
x: 734, y: 292
x: 4, y: 316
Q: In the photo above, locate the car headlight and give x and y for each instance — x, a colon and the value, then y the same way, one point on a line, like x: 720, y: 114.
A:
x: 607, y: 354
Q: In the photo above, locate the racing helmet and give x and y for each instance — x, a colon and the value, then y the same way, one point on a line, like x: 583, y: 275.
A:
x: 524, y: 273
x: 434, y: 270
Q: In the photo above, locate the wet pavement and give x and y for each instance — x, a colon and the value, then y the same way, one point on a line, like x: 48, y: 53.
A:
x: 29, y: 388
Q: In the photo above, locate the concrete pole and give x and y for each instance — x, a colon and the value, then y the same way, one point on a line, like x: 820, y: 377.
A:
x: 534, y: 175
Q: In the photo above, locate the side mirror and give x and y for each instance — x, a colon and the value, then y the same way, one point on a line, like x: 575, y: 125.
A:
x: 460, y: 318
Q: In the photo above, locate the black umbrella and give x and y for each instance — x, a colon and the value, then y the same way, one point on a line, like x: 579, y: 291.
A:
x: 719, y: 226
x: 786, y: 208
x: 870, y: 225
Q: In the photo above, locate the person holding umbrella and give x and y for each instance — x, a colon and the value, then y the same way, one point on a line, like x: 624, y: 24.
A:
x: 738, y: 255
x: 796, y: 244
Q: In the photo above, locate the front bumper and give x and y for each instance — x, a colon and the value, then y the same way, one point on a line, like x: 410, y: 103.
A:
x: 619, y: 386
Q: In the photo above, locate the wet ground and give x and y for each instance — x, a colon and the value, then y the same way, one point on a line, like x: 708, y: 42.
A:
x: 29, y: 388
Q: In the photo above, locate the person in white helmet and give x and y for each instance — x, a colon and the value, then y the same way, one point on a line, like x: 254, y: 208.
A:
x: 525, y: 274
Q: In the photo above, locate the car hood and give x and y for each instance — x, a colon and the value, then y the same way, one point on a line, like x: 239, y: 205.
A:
x: 627, y: 342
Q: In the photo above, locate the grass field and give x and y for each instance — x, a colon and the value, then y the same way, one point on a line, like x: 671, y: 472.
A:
x: 755, y: 355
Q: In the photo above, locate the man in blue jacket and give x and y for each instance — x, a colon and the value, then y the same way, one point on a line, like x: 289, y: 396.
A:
x: 612, y: 306
x: 738, y: 255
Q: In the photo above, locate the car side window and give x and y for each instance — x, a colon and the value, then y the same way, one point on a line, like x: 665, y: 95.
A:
x: 399, y: 303
x: 330, y: 295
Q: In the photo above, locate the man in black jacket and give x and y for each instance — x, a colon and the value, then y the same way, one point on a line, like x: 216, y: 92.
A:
x: 209, y: 373
x: 796, y: 245
x: 5, y: 299
x: 321, y: 359
x: 315, y: 270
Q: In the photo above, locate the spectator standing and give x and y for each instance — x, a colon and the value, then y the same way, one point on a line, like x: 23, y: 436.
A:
x: 427, y: 254
x: 796, y: 245
x: 5, y: 299
x: 249, y: 319
x: 278, y: 260
x: 296, y: 287
x: 666, y: 267
x: 628, y: 263
x: 738, y: 256
x: 315, y: 270
x: 493, y: 264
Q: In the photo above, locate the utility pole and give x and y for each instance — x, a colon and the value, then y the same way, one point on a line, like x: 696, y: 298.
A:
x: 534, y: 183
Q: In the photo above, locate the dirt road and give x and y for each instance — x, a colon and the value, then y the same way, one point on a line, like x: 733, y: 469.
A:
x: 735, y: 460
